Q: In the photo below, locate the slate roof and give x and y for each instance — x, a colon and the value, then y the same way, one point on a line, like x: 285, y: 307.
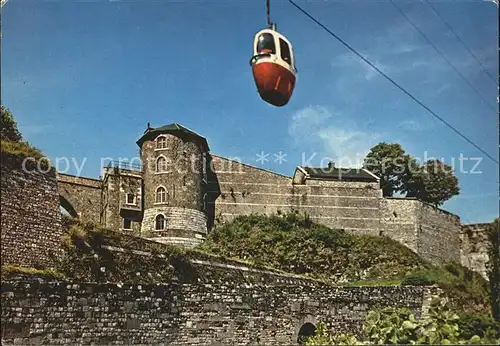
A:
x: 173, y: 128
x: 334, y: 173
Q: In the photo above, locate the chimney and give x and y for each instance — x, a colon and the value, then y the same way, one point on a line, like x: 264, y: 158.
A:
x: 331, y: 164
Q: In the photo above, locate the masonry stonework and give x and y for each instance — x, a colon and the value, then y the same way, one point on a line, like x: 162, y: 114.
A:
x: 400, y: 219
x: 244, y: 307
x: 474, y: 247
x: 438, y: 235
x: 122, y: 199
x: 80, y: 196
x: 242, y: 189
x: 203, y: 189
x: 174, y: 162
x: 30, y: 217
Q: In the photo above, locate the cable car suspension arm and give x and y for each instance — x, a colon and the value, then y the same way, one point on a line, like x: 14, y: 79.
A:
x: 271, y: 26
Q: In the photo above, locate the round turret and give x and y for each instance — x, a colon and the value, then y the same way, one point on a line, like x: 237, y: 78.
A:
x: 174, y: 173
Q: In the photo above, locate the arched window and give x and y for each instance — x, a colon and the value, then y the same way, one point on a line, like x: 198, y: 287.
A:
x: 159, y: 222
x: 161, y: 195
x: 161, y: 142
x: 161, y: 164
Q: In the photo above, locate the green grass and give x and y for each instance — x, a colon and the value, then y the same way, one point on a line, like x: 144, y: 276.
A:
x: 9, y: 271
x: 294, y: 244
x: 20, y: 148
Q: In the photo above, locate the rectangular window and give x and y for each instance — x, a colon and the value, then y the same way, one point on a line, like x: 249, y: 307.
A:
x: 130, y: 198
x: 161, y: 142
x: 127, y: 224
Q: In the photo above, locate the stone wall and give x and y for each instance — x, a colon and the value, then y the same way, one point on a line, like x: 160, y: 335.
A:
x: 235, y: 188
x: 183, y: 226
x: 117, y: 184
x: 474, y: 247
x: 400, y: 220
x: 240, y: 189
x: 83, y: 196
x: 241, y: 306
x: 30, y: 217
x: 439, y: 235
x: 183, y: 175
x: 431, y: 232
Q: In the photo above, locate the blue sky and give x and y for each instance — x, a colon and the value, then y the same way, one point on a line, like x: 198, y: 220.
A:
x: 84, y: 77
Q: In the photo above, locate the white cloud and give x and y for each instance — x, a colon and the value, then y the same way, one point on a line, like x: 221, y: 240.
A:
x: 314, y: 128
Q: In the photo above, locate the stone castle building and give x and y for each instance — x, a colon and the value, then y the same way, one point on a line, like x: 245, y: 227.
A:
x: 181, y: 190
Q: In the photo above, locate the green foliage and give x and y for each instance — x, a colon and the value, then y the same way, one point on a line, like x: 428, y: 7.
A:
x: 21, y: 148
x: 467, y: 289
x: 321, y: 337
x: 479, y: 324
x: 89, y: 258
x: 417, y: 279
x: 494, y: 267
x: 387, y: 160
x: 294, y: 244
x: 9, y: 271
x: 291, y: 243
x: 11, y: 140
x: 389, y: 326
x: 8, y: 126
x: 432, y: 182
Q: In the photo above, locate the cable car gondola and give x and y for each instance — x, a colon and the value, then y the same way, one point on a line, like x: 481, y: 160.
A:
x: 273, y: 65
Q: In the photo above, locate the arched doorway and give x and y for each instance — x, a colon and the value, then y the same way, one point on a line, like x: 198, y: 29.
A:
x: 305, y: 332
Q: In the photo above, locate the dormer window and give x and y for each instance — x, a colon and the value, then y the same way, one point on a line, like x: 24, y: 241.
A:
x: 161, y: 142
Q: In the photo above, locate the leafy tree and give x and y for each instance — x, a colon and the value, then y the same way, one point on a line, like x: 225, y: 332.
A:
x: 8, y: 124
x: 399, y: 172
x: 387, y: 160
x: 494, y: 268
x: 433, y: 182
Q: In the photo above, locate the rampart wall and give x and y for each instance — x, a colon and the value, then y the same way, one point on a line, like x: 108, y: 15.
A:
x: 439, y: 235
x: 474, y: 247
x: 80, y: 196
x: 30, y: 218
x: 236, y: 189
x: 231, y: 306
x: 242, y: 189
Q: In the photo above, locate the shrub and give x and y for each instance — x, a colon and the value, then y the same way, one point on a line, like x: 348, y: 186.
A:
x: 479, y: 324
x: 391, y: 325
x: 416, y: 279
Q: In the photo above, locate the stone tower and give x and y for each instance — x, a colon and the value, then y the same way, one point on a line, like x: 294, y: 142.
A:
x: 174, y: 173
